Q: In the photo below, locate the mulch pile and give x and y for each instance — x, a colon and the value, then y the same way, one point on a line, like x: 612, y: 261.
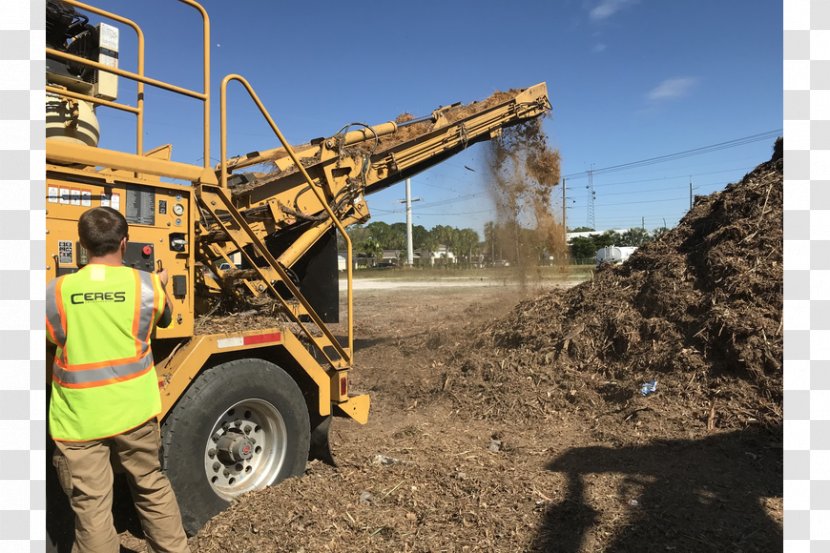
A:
x: 699, y: 310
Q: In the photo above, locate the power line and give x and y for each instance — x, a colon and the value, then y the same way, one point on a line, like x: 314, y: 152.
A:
x: 679, y: 155
x: 683, y: 176
x: 421, y: 214
x: 676, y: 186
x: 644, y: 201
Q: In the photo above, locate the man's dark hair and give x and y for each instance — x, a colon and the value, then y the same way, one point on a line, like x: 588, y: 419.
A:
x: 101, y: 230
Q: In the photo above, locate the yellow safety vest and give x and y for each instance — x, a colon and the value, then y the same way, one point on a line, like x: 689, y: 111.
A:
x: 103, y: 378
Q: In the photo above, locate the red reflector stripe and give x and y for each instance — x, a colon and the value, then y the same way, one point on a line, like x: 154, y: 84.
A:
x: 262, y: 338
x: 344, y: 385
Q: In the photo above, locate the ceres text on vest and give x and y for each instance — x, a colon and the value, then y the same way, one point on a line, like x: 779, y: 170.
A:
x: 87, y: 297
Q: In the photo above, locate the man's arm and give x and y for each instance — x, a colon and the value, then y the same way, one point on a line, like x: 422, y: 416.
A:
x: 167, y: 314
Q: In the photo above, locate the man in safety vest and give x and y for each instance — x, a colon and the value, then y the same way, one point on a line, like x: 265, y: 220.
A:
x: 105, y: 396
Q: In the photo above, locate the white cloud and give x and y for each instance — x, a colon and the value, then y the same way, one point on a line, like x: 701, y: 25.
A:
x: 672, y: 88
x: 599, y: 47
x: 607, y: 8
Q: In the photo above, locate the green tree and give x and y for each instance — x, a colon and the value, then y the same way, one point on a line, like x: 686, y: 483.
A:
x: 583, y: 247
x: 370, y: 247
x: 419, y: 236
x: 443, y: 235
x: 490, y: 240
x: 397, y: 237
x: 390, y: 237
x: 357, y: 233
x: 635, y: 236
x: 467, y: 243
x: 607, y: 238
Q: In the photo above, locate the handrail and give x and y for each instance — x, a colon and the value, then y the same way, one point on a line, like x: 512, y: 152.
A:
x: 141, y: 79
x: 262, y: 250
x: 128, y: 74
x: 87, y: 98
x: 223, y: 181
x: 206, y: 76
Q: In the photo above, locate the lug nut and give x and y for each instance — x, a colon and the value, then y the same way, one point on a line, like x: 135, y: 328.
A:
x: 216, y: 467
x: 211, y: 453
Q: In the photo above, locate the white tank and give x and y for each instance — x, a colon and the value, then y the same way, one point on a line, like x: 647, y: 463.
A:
x: 71, y: 121
x: 614, y: 254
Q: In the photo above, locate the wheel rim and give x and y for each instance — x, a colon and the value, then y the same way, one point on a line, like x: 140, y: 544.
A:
x: 246, y: 448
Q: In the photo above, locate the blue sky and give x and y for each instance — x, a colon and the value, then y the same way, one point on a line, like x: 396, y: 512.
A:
x: 628, y: 79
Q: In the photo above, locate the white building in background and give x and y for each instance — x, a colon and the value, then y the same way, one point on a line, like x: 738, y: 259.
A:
x: 439, y: 256
x: 571, y: 235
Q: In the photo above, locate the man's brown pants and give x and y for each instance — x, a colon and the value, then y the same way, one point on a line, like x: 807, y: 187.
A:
x: 86, y: 475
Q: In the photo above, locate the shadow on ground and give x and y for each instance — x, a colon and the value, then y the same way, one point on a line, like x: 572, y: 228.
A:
x: 704, y: 495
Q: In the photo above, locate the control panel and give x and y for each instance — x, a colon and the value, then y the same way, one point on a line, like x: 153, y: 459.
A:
x: 158, y: 215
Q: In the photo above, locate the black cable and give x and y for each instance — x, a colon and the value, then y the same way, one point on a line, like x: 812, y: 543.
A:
x: 679, y: 155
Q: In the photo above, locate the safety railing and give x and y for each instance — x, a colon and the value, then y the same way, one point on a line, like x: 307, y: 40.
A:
x: 139, y: 76
x: 223, y: 181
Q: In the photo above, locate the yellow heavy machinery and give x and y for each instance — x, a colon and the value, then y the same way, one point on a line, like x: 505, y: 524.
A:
x: 241, y: 409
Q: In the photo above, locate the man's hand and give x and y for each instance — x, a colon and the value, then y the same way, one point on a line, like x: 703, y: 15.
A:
x: 163, y: 277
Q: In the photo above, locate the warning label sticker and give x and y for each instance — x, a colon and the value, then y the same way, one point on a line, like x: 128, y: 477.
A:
x: 64, y: 251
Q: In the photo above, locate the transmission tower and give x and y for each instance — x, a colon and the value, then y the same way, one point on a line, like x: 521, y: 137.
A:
x: 591, y: 199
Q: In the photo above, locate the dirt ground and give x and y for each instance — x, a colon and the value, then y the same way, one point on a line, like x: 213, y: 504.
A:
x: 426, y: 475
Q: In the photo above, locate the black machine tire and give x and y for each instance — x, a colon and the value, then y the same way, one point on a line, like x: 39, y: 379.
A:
x: 232, y: 410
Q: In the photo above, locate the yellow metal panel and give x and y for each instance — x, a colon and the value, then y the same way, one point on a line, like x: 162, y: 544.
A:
x: 313, y: 369
x: 177, y: 371
x: 357, y: 407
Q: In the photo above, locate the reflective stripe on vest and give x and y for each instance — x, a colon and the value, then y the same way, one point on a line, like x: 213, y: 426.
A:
x: 147, y: 310
x: 54, y: 324
x: 86, y: 378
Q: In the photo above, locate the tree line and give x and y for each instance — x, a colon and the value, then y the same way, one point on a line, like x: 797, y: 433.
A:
x: 583, y: 248
x: 503, y: 243
x: 372, y: 239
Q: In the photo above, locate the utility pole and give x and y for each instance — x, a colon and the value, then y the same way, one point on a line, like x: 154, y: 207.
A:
x: 644, y: 223
x: 564, y: 224
x: 690, y: 193
x: 410, y: 255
